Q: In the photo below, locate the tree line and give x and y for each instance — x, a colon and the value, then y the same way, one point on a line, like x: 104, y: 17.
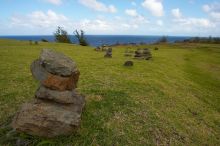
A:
x: 62, y: 36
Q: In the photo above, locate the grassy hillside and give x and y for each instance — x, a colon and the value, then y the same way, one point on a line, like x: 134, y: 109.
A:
x: 172, y: 99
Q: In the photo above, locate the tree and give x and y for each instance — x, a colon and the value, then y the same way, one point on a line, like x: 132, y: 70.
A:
x: 163, y: 39
x: 61, y: 35
x: 81, y: 38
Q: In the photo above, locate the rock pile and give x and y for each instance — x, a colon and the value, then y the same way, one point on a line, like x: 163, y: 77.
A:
x: 156, y: 48
x: 128, y: 63
x: 101, y: 48
x: 108, y: 53
x: 143, y: 54
x: 57, y: 107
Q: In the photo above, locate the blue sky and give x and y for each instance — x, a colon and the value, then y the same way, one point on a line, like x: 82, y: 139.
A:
x: 122, y: 17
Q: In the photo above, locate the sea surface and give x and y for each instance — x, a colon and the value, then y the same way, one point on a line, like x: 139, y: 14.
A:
x: 97, y: 40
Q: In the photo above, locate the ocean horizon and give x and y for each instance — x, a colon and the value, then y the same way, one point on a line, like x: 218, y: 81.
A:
x: 98, y: 40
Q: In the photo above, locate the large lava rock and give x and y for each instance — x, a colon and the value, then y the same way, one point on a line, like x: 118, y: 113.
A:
x: 57, y: 107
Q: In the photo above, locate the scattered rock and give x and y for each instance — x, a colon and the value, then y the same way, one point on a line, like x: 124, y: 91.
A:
x: 143, y: 54
x: 57, y: 107
x: 128, y: 63
x: 108, y: 53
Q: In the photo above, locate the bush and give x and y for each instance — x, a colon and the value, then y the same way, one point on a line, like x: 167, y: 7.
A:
x: 61, y: 36
x: 81, y: 38
x: 163, y: 39
x: 44, y: 40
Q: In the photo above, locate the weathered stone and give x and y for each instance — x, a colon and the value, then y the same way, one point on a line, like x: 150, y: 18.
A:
x: 143, y: 54
x: 61, y: 83
x: 64, y: 97
x: 51, y: 81
x: 57, y: 63
x: 48, y: 119
x: 108, y: 53
x: 57, y: 107
x: 128, y: 63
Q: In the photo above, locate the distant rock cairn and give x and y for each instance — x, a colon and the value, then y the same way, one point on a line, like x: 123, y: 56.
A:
x: 143, y: 54
x: 108, y: 53
x: 57, y: 107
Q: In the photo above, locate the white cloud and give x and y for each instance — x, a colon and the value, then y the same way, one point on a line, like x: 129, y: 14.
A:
x: 137, y: 18
x: 98, y: 6
x: 213, y: 10
x: 160, y: 22
x: 131, y: 12
x: 194, y: 22
x: 154, y: 6
x: 46, y: 23
x: 41, y: 20
x: 206, y: 8
x: 176, y: 13
x: 190, y: 21
x: 55, y: 2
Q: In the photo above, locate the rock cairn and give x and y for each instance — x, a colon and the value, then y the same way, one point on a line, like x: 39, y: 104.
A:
x: 108, y: 53
x: 143, y: 54
x: 57, y: 107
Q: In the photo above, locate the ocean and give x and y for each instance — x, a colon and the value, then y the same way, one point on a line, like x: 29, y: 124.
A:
x: 97, y: 40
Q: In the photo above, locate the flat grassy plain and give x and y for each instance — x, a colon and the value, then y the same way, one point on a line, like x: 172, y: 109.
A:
x: 173, y: 99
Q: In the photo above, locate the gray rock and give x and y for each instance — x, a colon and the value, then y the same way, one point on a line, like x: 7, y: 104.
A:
x: 143, y: 54
x: 64, y: 97
x: 38, y: 72
x: 108, y: 53
x: 57, y: 63
x: 128, y: 63
x: 48, y: 119
x: 57, y: 107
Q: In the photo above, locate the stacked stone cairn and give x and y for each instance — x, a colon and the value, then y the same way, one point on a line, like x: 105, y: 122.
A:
x: 108, y: 53
x: 143, y: 54
x: 57, y: 107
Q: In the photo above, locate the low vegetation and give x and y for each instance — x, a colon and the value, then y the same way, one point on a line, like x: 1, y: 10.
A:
x: 61, y: 36
x: 81, y: 38
x: 172, y: 99
x: 207, y: 40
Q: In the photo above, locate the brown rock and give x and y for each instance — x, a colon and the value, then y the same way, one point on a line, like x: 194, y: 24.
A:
x: 54, y: 82
x: 48, y: 119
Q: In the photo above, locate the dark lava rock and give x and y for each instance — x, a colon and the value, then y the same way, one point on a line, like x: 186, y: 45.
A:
x: 128, y: 63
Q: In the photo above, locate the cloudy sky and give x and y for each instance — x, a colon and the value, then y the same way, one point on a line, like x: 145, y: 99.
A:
x: 125, y: 17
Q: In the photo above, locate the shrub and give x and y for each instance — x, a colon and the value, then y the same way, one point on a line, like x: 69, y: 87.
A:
x: 61, y: 35
x: 44, y: 40
x: 81, y: 38
x: 163, y: 39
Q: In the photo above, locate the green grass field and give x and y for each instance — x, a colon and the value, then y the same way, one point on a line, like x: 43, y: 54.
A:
x: 173, y: 99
